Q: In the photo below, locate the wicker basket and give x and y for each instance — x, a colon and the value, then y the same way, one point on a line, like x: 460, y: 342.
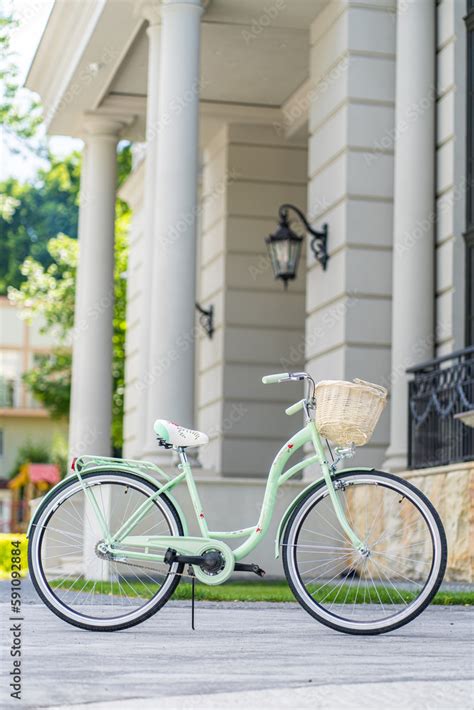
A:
x: 347, y: 412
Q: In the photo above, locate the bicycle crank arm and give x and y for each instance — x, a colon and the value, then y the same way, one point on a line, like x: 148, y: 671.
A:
x: 171, y: 557
x: 208, y: 560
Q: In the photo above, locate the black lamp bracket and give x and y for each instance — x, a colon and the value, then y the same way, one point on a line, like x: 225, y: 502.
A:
x: 319, y: 239
x: 206, y: 319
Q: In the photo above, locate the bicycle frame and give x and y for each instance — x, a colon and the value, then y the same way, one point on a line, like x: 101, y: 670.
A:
x: 188, y: 545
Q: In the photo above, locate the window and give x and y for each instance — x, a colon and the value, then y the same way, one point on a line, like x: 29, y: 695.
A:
x: 10, y: 378
x: 469, y: 236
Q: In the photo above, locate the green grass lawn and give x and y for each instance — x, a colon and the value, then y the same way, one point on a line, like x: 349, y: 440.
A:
x: 272, y: 591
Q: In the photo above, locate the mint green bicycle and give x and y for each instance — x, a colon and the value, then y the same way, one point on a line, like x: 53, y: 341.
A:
x: 364, y: 552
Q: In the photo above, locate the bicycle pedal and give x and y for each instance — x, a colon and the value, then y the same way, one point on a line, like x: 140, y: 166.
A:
x: 242, y: 567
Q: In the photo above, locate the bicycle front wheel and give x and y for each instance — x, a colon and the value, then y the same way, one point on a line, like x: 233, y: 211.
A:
x: 73, y: 574
x: 395, y: 577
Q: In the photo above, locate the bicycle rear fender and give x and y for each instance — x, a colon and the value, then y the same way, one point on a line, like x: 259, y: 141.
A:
x: 298, y: 499
x: 116, y: 467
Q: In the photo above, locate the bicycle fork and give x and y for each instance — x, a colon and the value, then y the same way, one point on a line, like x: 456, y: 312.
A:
x: 339, y: 510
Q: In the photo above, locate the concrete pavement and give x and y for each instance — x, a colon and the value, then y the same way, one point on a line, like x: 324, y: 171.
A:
x: 410, y: 695
x: 240, y: 656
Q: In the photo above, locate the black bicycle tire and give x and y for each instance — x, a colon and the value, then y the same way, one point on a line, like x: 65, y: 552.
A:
x: 122, y: 625
x: 416, y: 612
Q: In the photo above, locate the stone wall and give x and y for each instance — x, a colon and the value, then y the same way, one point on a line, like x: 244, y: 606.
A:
x: 451, y: 490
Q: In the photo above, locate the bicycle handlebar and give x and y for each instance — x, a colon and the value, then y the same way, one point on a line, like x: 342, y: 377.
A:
x: 293, y: 408
x: 279, y: 377
x: 284, y: 377
x: 292, y: 377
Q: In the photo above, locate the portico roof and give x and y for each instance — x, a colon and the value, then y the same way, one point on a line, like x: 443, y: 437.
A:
x: 93, y: 57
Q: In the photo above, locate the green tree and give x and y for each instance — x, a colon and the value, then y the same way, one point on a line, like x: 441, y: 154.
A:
x: 119, y: 321
x: 34, y: 221
x: 47, y: 290
x: 20, y: 113
x: 49, y: 293
x: 31, y: 213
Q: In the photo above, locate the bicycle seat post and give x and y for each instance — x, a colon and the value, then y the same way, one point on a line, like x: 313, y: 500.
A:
x: 183, y: 457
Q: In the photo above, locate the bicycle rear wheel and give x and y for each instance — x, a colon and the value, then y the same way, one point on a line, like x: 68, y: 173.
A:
x: 73, y: 575
x: 392, y: 582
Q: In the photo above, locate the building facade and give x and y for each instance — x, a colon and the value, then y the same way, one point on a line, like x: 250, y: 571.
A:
x: 22, y: 418
x: 357, y: 113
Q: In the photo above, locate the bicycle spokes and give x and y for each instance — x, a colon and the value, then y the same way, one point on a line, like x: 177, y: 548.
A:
x: 387, y: 578
x: 76, y: 563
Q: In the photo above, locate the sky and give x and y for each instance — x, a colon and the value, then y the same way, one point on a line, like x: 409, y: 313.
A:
x: 32, y: 16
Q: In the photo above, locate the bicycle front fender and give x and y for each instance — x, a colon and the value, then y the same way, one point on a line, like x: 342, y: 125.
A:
x: 296, y: 502
x: 122, y: 469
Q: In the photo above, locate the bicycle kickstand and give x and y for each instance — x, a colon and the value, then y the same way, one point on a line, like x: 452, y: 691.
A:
x: 193, y: 583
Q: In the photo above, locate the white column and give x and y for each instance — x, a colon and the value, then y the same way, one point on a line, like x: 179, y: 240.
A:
x: 151, y: 11
x: 91, y: 392
x: 170, y: 374
x: 413, y: 267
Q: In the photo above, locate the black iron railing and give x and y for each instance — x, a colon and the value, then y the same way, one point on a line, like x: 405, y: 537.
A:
x: 440, y: 389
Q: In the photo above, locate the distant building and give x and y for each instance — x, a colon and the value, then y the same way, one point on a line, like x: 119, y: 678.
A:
x: 22, y: 418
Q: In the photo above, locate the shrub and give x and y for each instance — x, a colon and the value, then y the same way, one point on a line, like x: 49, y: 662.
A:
x: 30, y: 452
x: 6, y: 552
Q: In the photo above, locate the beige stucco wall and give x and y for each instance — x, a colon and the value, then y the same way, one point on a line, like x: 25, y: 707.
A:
x: 451, y: 174
x: 345, y: 179
x: 248, y: 172
x: 351, y: 146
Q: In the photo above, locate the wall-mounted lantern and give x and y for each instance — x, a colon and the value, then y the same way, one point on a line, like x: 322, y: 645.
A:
x: 284, y: 246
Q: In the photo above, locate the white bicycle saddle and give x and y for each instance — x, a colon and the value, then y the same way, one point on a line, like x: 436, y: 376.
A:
x: 177, y: 435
